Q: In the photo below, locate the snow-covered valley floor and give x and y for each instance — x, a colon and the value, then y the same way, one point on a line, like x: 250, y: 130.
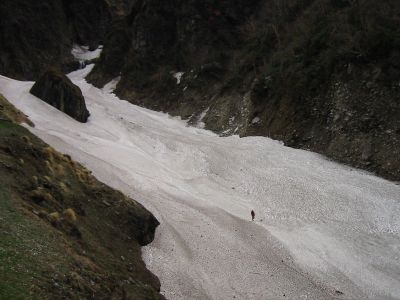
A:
x: 322, y: 230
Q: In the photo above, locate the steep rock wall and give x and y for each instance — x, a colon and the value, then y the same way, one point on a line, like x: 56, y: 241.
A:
x: 37, y: 34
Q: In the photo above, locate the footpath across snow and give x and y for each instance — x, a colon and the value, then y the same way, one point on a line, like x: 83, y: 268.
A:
x: 322, y: 230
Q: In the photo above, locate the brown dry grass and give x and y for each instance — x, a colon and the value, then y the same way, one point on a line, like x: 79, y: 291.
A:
x: 11, y: 113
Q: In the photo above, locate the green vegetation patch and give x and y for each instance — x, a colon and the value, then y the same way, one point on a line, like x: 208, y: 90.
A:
x: 26, y: 251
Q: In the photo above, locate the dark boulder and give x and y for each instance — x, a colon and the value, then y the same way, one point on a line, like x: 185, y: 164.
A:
x: 57, y: 90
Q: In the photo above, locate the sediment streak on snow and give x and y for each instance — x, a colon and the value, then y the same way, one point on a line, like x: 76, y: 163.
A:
x: 320, y: 226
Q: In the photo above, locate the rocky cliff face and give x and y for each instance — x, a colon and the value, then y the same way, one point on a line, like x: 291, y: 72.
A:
x: 316, y: 74
x: 37, y: 34
x: 120, y: 8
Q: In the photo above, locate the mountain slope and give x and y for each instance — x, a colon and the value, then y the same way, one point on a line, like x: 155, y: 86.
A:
x: 316, y: 74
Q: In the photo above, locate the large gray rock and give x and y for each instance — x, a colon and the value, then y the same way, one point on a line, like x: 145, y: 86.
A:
x: 57, y: 90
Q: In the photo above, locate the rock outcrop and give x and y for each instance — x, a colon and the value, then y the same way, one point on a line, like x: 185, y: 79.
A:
x: 89, y: 21
x: 58, y: 90
x: 120, y: 8
x: 37, y: 34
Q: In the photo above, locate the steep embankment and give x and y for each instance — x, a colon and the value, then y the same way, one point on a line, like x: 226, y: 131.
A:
x: 63, y: 234
x: 316, y: 74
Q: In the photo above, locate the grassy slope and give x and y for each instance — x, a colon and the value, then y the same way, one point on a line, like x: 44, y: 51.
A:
x: 26, y: 247
x: 91, y: 251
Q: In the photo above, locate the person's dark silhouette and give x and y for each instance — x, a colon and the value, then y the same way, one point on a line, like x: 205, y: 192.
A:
x: 252, y: 215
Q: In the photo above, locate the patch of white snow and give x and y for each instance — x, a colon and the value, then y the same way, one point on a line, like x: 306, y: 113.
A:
x: 82, y: 53
x: 112, y: 85
x: 200, y: 123
x: 256, y: 120
x: 178, y: 77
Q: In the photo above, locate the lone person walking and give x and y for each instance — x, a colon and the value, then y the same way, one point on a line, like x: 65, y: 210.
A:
x: 252, y: 215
